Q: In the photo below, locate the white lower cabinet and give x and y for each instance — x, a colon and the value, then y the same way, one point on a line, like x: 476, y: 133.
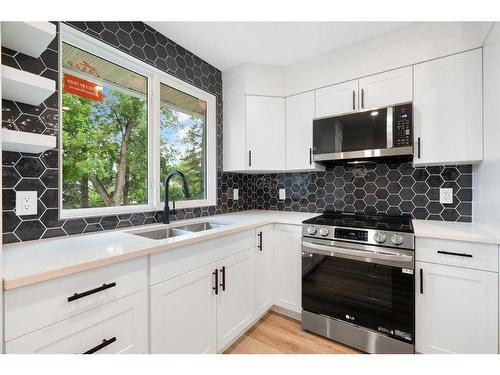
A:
x: 204, y: 310
x: 117, y: 327
x: 183, y: 313
x: 456, y: 310
x: 235, y: 302
x: 264, y: 269
x: 287, y: 267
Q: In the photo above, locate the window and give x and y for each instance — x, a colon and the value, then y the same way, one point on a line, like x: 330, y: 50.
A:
x: 182, y: 141
x: 124, y: 126
x: 105, y: 132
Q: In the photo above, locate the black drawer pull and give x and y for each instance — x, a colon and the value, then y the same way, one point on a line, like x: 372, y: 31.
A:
x: 465, y: 255
x: 102, y: 345
x: 223, y: 284
x: 259, y: 246
x: 216, y: 287
x: 421, y: 281
x: 91, y: 291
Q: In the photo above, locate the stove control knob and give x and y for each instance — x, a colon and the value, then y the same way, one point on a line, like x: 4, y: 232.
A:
x: 311, y: 230
x: 397, y: 239
x: 380, y: 237
x: 323, y: 231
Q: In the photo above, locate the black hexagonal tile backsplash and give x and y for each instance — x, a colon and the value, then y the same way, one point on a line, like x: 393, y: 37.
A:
x: 381, y: 188
x: 392, y: 189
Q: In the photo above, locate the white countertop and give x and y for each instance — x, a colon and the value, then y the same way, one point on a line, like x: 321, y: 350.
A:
x: 453, y: 231
x: 35, y: 261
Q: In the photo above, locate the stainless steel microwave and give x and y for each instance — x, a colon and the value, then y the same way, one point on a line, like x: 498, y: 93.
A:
x: 385, y: 132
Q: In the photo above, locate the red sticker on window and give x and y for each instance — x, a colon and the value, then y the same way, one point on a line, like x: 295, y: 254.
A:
x: 81, y: 87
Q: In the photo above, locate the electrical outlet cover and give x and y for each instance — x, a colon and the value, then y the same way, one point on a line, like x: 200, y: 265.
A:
x: 446, y: 195
x: 26, y: 203
x: 282, y: 194
x: 235, y: 194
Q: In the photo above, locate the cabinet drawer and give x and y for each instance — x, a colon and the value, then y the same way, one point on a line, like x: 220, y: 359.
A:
x: 117, y: 327
x: 168, y: 264
x: 36, y: 306
x: 458, y: 253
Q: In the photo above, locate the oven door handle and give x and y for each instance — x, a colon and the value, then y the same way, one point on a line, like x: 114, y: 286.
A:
x: 366, y: 254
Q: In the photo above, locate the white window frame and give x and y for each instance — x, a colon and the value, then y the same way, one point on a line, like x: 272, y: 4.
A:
x: 155, y: 77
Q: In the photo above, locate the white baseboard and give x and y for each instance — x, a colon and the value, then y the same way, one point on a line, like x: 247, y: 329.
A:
x: 291, y: 314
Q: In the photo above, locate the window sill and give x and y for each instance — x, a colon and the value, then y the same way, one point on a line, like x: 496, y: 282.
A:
x: 78, y: 213
x: 189, y: 204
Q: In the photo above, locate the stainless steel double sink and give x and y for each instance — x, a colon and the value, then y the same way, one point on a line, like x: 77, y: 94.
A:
x: 161, y: 234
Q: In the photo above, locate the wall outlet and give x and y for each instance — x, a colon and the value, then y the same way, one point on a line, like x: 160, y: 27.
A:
x: 446, y: 195
x: 282, y: 194
x: 26, y: 203
x: 236, y: 194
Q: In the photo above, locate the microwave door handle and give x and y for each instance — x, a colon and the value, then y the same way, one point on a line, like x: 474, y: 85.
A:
x: 333, y: 250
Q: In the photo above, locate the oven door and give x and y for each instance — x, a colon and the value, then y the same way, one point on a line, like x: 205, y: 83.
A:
x: 363, y: 285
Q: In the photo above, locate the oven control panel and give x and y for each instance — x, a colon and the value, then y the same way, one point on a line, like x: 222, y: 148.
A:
x: 351, y: 234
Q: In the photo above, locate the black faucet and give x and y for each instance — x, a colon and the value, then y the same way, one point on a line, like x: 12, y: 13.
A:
x: 166, y: 210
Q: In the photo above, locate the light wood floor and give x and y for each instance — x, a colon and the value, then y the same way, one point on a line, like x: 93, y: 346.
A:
x: 279, y: 334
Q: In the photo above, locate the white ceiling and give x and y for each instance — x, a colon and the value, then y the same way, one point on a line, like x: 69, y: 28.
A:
x: 227, y: 44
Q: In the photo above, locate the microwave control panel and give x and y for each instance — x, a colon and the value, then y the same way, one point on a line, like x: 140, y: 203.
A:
x: 403, y: 125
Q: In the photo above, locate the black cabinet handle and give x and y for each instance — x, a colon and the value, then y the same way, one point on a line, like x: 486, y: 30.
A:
x: 465, y: 255
x: 353, y: 100
x: 216, y: 287
x: 249, y: 158
x: 421, y: 281
x: 259, y: 246
x: 91, y: 291
x: 310, y: 156
x: 102, y: 345
x: 223, y: 272
x: 362, y: 98
x: 418, y: 147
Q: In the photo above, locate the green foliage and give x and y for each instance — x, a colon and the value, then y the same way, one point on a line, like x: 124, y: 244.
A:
x: 95, y: 132
x: 191, y: 163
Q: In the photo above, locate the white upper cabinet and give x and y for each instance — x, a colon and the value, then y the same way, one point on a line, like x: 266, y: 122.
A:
x: 375, y: 91
x: 299, y: 135
x: 266, y: 133
x: 337, y: 99
x: 254, y: 133
x: 384, y: 89
x: 448, y: 110
x: 456, y: 310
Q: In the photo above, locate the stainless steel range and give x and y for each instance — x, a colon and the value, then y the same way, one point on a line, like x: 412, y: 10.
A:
x: 358, y: 281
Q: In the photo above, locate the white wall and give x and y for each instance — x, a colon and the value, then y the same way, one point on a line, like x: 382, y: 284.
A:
x: 417, y: 42
x: 253, y: 79
x: 408, y: 45
x: 486, y: 203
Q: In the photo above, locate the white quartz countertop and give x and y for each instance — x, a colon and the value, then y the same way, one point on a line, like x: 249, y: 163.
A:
x: 31, y: 262
x: 453, y: 231
x: 35, y: 261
